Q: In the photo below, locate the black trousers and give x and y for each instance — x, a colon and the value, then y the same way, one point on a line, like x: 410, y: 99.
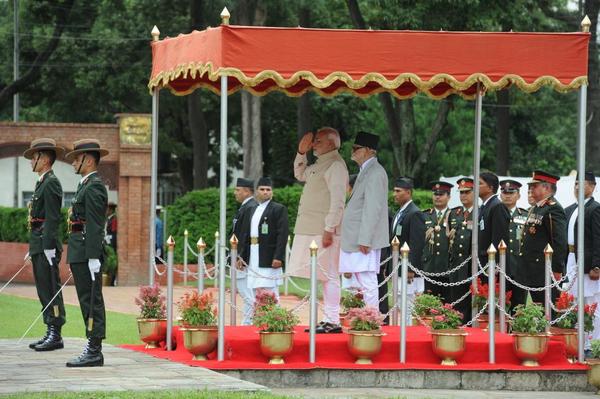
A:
x: 45, y: 291
x: 519, y: 295
x: 384, y: 306
x: 83, y: 285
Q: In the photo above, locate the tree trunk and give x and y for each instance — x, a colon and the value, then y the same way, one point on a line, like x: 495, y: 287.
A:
x: 592, y: 7
x: 196, y: 119
x: 502, y: 132
x: 199, y: 133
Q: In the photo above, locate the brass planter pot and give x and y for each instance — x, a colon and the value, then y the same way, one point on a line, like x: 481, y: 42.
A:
x: 200, y: 341
x: 276, y: 345
x: 364, y: 345
x: 449, y: 345
x: 484, y: 321
x: 594, y: 373
x: 567, y: 336
x: 530, y: 348
x: 422, y: 321
x: 152, y: 331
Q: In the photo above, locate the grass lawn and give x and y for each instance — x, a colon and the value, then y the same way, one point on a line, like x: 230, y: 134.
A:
x: 147, y: 395
x: 18, y: 313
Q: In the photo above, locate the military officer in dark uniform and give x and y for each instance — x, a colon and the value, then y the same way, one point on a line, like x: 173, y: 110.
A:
x: 546, y: 224
x: 459, y: 230
x: 493, y: 217
x: 435, y: 251
x: 244, y: 191
x: 510, y: 195
x: 87, y: 218
x: 45, y: 247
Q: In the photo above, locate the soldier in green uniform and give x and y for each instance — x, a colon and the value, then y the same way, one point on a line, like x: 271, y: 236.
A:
x: 518, y: 216
x: 87, y: 218
x: 435, y: 251
x: 546, y: 224
x: 459, y: 229
x: 45, y: 247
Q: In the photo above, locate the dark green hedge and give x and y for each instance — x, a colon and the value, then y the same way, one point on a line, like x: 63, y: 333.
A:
x: 13, y: 225
x: 198, y: 212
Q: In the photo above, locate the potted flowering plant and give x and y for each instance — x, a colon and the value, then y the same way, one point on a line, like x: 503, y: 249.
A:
x: 276, y: 326
x: 422, y: 306
x: 448, y: 340
x: 530, y: 341
x: 199, y: 323
x: 480, y: 294
x: 594, y: 363
x: 364, y: 334
x: 350, y: 300
x: 152, y: 322
x: 565, y: 329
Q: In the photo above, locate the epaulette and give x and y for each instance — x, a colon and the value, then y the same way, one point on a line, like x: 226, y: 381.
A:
x: 521, y: 210
x: 428, y: 210
x: 457, y: 210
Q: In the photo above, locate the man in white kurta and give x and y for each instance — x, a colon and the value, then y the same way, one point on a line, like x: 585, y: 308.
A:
x: 319, y: 218
x: 591, y: 281
x: 365, y: 226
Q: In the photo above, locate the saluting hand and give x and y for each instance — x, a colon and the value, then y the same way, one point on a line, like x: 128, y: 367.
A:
x: 276, y: 264
x: 306, y: 143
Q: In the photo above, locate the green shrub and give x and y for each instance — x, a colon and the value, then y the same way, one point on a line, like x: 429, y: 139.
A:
x: 13, y: 225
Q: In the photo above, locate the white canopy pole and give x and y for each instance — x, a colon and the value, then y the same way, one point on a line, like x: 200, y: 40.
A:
x: 222, y: 215
x: 153, y: 183
x: 582, y: 97
x: 475, y: 213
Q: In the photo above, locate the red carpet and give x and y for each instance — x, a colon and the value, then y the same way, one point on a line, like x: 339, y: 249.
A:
x: 242, y: 352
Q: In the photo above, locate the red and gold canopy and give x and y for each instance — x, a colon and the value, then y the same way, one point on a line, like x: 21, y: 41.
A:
x: 403, y: 63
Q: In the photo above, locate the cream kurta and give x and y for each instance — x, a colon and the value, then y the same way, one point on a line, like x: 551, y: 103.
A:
x: 321, y: 208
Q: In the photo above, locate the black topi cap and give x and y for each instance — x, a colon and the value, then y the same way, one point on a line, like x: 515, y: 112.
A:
x: 589, y: 176
x: 264, y: 181
x: 404, y: 182
x: 241, y: 182
x: 366, y: 139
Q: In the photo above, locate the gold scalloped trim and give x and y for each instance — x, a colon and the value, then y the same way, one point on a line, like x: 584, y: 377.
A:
x: 192, y: 70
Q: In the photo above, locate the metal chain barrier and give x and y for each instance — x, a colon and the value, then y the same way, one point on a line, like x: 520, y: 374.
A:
x: 565, y: 314
x: 447, y: 272
x: 432, y: 281
x: 572, y: 278
x: 532, y: 288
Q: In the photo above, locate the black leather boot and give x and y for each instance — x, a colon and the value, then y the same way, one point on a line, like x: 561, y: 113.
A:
x: 91, y: 356
x: 52, y: 342
x: 39, y: 341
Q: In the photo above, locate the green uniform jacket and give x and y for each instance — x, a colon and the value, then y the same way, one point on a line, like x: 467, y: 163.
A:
x: 435, y: 251
x: 518, y: 218
x: 45, y: 205
x: 88, y: 206
x: 546, y: 224
x: 460, y: 225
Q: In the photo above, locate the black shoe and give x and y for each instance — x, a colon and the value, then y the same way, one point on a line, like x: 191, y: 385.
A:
x: 329, y: 328
x: 91, y: 356
x: 53, y: 341
x: 39, y: 341
x: 318, y: 325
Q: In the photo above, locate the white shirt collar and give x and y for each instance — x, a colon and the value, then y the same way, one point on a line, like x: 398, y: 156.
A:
x: 405, y: 205
x: 364, y: 165
x: 264, y: 204
x: 246, y: 200
x: 488, y: 200
x: 86, y: 176
x: 43, y: 174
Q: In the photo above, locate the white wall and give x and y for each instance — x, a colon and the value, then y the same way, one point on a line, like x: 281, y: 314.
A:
x: 27, y: 179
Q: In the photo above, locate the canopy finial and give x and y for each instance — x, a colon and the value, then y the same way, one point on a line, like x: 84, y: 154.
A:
x: 585, y: 24
x: 155, y: 33
x: 225, y: 15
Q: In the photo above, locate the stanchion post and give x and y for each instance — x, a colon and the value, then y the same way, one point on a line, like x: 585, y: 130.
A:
x: 217, y: 260
x: 233, y: 242
x: 171, y: 245
x: 287, y: 262
x: 201, y: 245
x: 185, y: 257
x: 502, y: 281
x: 403, y: 302
x: 492, y: 302
x: 548, y: 251
x: 395, y: 258
x: 313, y: 301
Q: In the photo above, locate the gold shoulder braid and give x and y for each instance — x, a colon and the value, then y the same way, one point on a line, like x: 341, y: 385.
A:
x: 29, y: 217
